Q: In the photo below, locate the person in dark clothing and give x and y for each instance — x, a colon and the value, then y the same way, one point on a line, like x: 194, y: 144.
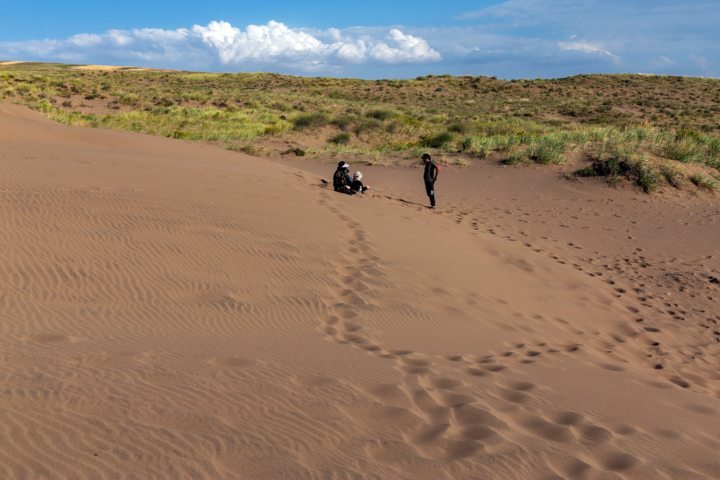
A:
x: 357, y: 185
x: 341, y: 179
x: 430, y: 176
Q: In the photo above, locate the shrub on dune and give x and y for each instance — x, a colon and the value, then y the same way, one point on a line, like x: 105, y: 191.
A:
x: 341, y: 139
x: 703, y: 181
x: 549, y: 150
x: 381, y: 114
x: 647, y: 177
x: 439, y: 140
x: 310, y: 120
x: 673, y: 176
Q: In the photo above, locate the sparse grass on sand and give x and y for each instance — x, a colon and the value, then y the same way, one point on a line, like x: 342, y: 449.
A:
x: 651, y: 130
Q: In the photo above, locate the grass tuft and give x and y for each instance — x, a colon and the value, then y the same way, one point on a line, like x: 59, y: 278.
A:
x: 673, y: 176
x: 549, y: 151
x: 684, y: 150
x: 504, y: 120
x: 517, y: 157
x: 381, y: 114
x: 703, y: 181
x: 340, y: 139
x: 310, y: 120
x: 459, y: 128
x: 438, y: 141
x: 647, y: 178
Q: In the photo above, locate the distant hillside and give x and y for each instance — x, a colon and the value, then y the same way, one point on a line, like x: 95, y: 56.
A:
x: 674, y: 119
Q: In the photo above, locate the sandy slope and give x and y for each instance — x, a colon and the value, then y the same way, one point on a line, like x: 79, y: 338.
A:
x: 170, y: 310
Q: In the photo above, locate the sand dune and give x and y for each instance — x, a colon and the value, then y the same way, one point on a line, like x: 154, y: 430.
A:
x: 172, y: 310
x: 98, y: 67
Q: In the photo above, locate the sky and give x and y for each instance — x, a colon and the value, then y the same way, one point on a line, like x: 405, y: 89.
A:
x: 373, y: 39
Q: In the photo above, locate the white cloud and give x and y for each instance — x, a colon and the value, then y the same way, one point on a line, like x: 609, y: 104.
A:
x: 662, y: 62
x: 220, y: 45
x: 513, y: 39
x: 585, y: 47
x: 700, y: 62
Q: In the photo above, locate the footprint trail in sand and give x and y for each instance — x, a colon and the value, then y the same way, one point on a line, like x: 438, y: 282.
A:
x: 172, y: 310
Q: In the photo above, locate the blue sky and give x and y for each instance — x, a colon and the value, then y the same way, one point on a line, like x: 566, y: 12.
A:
x: 374, y: 39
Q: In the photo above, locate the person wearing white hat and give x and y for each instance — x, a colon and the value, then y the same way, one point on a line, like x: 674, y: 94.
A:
x: 341, y: 179
x: 357, y: 185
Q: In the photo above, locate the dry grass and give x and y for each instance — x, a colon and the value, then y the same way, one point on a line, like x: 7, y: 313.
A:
x: 615, y: 118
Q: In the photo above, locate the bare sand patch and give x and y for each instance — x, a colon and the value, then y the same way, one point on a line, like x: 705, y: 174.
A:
x: 105, y: 68
x: 174, y: 310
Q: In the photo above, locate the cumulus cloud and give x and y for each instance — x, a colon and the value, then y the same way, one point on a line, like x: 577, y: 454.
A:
x: 589, y: 48
x: 220, y: 45
x: 512, y: 39
x: 700, y: 62
x: 618, y: 35
x: 661, y: 64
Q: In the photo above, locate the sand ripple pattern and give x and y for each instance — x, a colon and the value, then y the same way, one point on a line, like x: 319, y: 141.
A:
x: 171, y: 310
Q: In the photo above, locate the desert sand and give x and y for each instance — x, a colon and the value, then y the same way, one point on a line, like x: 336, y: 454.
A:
x: 169, y: 309
x: 108, y: 68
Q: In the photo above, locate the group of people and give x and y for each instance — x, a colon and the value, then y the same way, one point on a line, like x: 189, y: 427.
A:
x: 344, y: 183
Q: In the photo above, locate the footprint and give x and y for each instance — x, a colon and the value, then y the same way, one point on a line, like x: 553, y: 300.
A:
x: 350, y: 327
x: 451, y: 358
x: 491, y: 368
x: 542, y: 428
x: 616, y: 461
x: 399, y: 353
x: 568, y: 467
x: 565, y: 418
x: 440, y: 383
x: 680, y: 382
x: 591, y: 434
x: 414, y: 370
x: 467, y: 415
x: 345, y: 313
x: 352, y: 338
x: 612, y: 368
x: 518, y: 386
x: 513, y: 396
x: 414, y: 362
x: 425, y: 433
x: 427, y: 404
x: 330, y: 320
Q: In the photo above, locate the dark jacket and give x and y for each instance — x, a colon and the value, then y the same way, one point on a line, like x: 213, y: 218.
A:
x: 430, y: 172
x: 358, y: 186
x: 341, y: 179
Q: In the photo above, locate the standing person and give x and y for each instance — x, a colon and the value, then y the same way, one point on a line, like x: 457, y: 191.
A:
x: 341, y: 179
x: 430, y: 176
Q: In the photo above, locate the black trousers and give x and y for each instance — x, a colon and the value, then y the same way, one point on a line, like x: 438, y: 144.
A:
x: 430, y: 189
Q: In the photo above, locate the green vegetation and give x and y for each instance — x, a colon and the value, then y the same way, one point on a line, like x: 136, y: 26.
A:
x: 673, y: 176
x: 341, y: 138
x: 649, y: 130
x: 703, y: 181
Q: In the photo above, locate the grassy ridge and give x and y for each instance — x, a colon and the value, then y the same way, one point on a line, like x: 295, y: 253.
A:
x: 651, y: 130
